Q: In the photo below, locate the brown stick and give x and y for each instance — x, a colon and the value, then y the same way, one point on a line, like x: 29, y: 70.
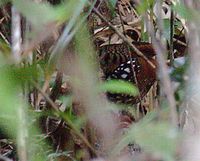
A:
x: 138, y: 52
x: 68, y: 121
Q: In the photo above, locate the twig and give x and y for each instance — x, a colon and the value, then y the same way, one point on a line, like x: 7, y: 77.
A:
x: 44, y: 88
x: 68, y: 33
x: 60, y: 124
x: 56, y: 89
x: 4, y: 38
x: 180, y: 42
x: 165, y: 80
x: 138, y: 52
x: 68, y: 121
x: 46, y: 97
x: 129, y: 55
x: 171, y: 47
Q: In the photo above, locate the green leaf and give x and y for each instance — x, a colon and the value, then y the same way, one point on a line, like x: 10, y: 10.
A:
x: 181, y: 10
x: 184, y: 12
x: 9, y: 104
x: 145, y: 5
x: 66, y: 101
x: 119, y: 86
x: 112, y: 3
x: 145, y: 36
x: 166, y: 30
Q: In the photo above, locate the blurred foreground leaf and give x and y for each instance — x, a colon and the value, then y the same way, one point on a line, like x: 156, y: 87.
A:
x: 15, y: 121
x: 9, y: 100
x: 167, y: 28
x: 145, y: 5
x: 186, y: 13
x: 2, y: 2
x: 43, y: 13
x: 118, y: 86
x: 157, y: 138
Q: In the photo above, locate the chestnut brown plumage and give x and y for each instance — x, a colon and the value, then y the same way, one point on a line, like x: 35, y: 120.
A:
x: 116, y: 63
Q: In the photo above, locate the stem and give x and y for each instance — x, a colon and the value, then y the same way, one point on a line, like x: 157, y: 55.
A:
x: 138, y: 52
x: 66, y: 119
x: 164, y: 77
x: 16, y: 35
x: 171, y: 48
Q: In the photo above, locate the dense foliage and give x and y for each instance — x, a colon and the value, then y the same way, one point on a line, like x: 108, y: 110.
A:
x: 56, y: 77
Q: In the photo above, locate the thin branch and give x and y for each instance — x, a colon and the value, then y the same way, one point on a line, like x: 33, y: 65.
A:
x: 46, y: 97
x: 68, y: 121
x: 138, y: 52
x: 165, y: 80
x: 57, y: 87
x: 171, y: 47
x: 4, y: 38
x: 44, y: 88
x: 55, y: 92
x: 69, y: 33
x: 129, y: 54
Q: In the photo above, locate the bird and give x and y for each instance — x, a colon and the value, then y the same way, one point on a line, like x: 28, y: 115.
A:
x: 120, y: 62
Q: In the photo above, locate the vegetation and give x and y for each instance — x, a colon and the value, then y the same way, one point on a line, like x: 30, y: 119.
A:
x: 52, y: 80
